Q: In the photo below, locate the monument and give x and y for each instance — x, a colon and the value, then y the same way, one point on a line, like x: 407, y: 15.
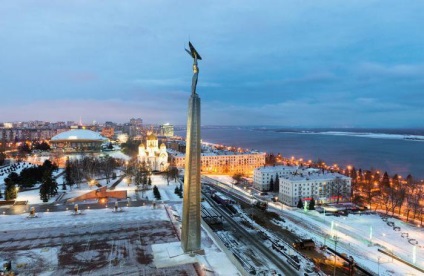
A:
x: 190, y: 235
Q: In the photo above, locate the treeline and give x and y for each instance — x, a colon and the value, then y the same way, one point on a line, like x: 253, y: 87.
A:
x: 89, y: 168
x: 372, y: 188
x: 27, y: 178
x: 393, y: 194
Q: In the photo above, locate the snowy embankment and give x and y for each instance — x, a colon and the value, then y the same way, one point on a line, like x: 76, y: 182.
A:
x: 369, y: 135
x: 359, y: 236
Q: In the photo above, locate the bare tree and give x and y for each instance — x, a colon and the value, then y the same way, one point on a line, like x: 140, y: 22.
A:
x: 170, y: 173
x: 413, y: 199
x: 393, y: 195
x: 338, y: 188
x: 108, y: 165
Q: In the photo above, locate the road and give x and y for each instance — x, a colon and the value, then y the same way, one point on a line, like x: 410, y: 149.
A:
x: 268, y: 253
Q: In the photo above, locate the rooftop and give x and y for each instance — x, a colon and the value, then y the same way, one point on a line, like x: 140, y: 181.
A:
x: 272, y: 169
x: 315, y: 176
x: 79, y: 134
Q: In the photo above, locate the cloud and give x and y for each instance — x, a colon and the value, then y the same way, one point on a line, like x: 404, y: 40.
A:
x: 405, y: 71
x: 314, y: 62
x: 151, y: 110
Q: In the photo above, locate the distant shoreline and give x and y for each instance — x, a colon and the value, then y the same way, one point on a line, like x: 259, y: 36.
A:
x: 392, y: 150
x: 408, y: 137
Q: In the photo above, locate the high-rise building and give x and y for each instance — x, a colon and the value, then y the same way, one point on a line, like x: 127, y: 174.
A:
x: 166, y: 130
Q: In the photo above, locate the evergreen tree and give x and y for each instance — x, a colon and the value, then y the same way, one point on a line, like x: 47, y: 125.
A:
x: 176, y: 191
x: 2, y: 157
x: 277, y: 184
x: 1, y: 195
x: 44, y: 193
x: 156, y: 192
x: 312, y: 204
x: 10, y: 192
x: 386, y: 180
x: 271, y: 184
x: 68, y: 173
x: 300, y: 204
x: 48, y: 165
x: 396, y: 180
x: 409, y: 180
x: 48, y: 187
x: 149, y: 182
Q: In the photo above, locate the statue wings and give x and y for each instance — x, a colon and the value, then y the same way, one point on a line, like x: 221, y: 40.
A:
x: 193, y: 53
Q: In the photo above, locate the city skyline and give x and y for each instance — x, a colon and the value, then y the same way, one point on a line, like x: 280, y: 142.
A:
x: 317, y: 64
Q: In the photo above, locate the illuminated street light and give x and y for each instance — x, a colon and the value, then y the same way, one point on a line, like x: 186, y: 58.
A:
x: 336, y: 239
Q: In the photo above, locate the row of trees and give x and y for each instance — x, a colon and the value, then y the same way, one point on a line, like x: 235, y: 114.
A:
x: 311, y: 205
x: 392, y: 194
x: 140, y: 172
x: 29, y: 177
x: 89, y: 167
x: 26, y: 148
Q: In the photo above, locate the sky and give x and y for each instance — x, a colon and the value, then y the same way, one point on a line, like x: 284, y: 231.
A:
x: 288, y: 63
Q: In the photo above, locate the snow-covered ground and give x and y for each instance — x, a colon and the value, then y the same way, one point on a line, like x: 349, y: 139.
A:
x: 359, y: 236
x: 166, y: 191
x: 214, y: 259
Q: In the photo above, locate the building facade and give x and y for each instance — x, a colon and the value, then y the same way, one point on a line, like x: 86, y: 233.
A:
x: 77, y: 141
x: 223, y: 162
x: 156, y: 157
x: 324, y: 187
x: 262, y: 175
x: 166, y: 130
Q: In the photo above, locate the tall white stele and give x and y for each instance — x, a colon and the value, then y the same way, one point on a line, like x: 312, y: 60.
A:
x: 190, y: 234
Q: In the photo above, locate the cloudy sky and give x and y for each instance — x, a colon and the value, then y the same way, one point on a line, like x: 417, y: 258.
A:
x: 289, y: 63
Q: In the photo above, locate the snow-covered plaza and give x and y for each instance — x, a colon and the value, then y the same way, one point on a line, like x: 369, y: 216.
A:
x: 102, y: 241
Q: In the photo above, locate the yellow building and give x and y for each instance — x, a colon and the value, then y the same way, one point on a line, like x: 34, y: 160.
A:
x: 224, y: 162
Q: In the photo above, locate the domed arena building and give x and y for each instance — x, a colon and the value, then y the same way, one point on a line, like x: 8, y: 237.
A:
x: 77, y: 141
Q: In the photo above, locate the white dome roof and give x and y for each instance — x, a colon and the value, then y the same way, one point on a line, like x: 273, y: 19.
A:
x: 79, y: 134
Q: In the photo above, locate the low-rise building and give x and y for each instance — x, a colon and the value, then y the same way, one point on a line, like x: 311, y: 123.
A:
x: 262, y: 175
x: 223, y: 162
x: 166, y: 130
x: 324, y: 187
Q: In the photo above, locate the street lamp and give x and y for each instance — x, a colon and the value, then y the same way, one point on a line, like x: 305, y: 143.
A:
x: 336, y: 239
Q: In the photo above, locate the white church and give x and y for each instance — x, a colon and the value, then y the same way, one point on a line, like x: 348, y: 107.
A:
x: 156, y: 157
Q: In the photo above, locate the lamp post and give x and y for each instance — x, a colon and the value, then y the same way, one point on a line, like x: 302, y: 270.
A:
x: 336, y: 239
x: 378, y: 266
x: 325, y: 240
x: 251, y: 202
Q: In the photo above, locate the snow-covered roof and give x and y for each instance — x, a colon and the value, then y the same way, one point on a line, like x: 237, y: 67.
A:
x: 79, y: 134
x: 273, y: 169
x: 327, y: 176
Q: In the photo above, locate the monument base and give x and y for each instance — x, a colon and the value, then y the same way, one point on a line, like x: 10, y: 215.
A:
x: 172, y: 254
